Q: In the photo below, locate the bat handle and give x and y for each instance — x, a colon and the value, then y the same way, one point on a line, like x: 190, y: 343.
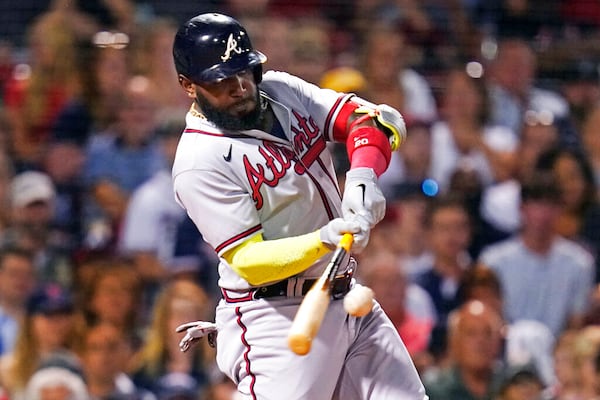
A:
x: 346, y: 241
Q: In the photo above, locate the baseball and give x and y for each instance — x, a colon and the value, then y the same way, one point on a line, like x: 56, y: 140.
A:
x: 358, y: 302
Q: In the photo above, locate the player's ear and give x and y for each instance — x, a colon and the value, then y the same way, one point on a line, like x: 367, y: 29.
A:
x: 188, y: 86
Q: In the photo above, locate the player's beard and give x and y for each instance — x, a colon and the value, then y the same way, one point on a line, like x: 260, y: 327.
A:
x: 226, y: 121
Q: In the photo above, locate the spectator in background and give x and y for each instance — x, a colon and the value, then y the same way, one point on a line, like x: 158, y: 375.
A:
x: 311, y: 49
x: 465, y: 183
x: 56, y: 383
x: 411, y: 164
x: 452, y: 37
x: 151, y: 53
x: 539, y: 133
x: 579, y: 82
x: 156, y: 232
x: 409, y: 307
x: 63, y: 162
x: 473, y: 370
x: 566, y: 369
x: 95, y: 15
x: 393, y: 82
x: 531, y: 343
x: 544, y: 276
x: 448, y: 231
x: 464, y: 136
x: 527, y: 343
x: 586, y: 348
x: 33, y: 197
x: 160, y: 363
x: 481, y: 283
x: 103, y: 68
x: 521, y: 383
x: 276, y: 42
x: 38, y: 89
x: 500, y: 203
x: 105, y: 352
x: 17, y: 282
x: 110, y: 291
x: 403, y: 230
x: 408, y: 15
x: 120, y: 160
x: 580, y: 216
x: 49, y: 329
x: 513, y: 86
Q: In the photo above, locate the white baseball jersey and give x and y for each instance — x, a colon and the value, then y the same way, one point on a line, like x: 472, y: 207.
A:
x: 235, y: 185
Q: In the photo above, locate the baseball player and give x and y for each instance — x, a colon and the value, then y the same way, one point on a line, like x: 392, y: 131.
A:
x: 255, y: 175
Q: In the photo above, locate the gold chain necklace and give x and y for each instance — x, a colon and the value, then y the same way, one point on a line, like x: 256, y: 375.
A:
x: 195, y: 112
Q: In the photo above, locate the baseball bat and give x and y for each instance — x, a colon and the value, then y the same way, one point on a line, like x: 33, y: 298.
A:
x: 312, y: 310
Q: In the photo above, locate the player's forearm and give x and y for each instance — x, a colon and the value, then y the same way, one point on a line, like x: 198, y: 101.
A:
x: 373, y: 132
x: 261, y: 261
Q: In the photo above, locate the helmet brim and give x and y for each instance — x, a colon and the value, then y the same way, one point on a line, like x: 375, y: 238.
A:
x: 219, y: 72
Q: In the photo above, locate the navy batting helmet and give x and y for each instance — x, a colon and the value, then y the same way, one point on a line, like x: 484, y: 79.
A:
x: 211, y: 47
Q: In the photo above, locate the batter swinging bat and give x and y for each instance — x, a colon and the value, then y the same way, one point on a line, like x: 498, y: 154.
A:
x: 312, y: 309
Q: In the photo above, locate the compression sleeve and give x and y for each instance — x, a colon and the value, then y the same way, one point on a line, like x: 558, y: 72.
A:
x: 261, y: 261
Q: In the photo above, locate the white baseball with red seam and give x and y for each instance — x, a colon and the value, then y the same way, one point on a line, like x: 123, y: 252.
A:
x: 358, y: 302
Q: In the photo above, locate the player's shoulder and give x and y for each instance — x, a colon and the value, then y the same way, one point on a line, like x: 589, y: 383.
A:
x: 271, y: 76
x: 280, y: 79
x: 196, y: 149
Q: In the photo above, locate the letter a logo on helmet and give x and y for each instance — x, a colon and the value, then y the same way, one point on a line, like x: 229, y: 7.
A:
x: 232, y: 46
x: 212, y: 47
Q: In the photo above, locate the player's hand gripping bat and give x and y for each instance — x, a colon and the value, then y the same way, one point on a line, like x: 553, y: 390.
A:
x: 312, y: 310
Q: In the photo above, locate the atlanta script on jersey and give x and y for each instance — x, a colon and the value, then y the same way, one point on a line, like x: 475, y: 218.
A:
x: 266, y: 180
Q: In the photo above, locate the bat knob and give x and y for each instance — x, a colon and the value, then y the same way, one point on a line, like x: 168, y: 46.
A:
x: 299, y: 344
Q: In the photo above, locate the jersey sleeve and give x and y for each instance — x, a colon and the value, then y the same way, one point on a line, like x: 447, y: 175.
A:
x: 222, y: 210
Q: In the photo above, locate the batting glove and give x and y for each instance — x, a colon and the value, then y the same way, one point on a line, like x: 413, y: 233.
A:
x: 363, y: 201
x: 195, y: 331
x: 361, y: 238
x: 331, y: 233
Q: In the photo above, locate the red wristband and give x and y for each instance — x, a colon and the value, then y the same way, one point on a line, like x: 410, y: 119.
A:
x: 367, y: 146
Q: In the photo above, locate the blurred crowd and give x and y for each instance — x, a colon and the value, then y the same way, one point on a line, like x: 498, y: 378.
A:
x: 488, y: 260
